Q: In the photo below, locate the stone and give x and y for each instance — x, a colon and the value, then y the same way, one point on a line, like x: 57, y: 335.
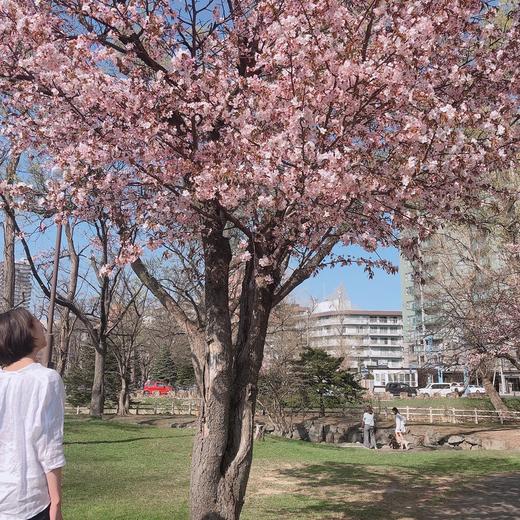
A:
x: 295, y: 435
x: 316, y: 433
x: 454, y: 440
x: 465, y: 445
x: 329, y: 437
x: 473, y: 440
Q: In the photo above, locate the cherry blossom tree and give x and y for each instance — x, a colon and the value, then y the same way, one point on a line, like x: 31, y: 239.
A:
x: 471, y: 288
x: 266, y: 132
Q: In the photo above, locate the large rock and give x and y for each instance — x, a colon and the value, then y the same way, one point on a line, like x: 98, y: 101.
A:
x: 316, y: 432
x: 455, y: 440
x: 473, y: 440
x: 329, y: 437
x: 432, y: 438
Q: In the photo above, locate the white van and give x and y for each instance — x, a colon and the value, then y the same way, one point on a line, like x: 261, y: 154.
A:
x: 441, y: 389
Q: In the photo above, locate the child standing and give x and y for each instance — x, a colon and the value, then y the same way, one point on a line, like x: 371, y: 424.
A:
x: 31, y: 423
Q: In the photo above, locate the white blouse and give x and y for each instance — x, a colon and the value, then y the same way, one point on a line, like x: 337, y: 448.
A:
x: 31, y: 438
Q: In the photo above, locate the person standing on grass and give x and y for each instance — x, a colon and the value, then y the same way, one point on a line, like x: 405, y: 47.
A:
x: 400, y: 428
x: 369, y: 428
x: 31, y: 423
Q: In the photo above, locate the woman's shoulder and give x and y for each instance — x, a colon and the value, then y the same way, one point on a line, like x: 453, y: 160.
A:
x: 41, y: 373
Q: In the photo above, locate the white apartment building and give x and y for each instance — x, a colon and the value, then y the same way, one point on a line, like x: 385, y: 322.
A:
x: 370, y: 341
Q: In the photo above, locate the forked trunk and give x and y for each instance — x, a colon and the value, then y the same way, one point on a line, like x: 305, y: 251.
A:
x: 220, y: 472
x: 223, y: 448
x: 97, y: 399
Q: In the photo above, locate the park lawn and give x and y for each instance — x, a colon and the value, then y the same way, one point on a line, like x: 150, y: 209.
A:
x: 126, y: 472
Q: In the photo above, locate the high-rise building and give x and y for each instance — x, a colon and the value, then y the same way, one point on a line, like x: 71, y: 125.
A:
x: 23, y: 285
x: 370, y: 341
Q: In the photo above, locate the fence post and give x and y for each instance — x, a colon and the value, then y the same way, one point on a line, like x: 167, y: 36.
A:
x: 189, y: 408
x: 407, y: 413
x: 155, y: 409
x: 431, y: 415
x: 453, y: 415
x: 77, y: 410
x: 137, y: 409
x: 476, y: 416
x: 173, y: 406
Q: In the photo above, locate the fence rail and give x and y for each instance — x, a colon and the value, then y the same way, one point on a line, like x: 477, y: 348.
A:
x: 419, y: 414
x: 454, y: 415
x: 177, y: 407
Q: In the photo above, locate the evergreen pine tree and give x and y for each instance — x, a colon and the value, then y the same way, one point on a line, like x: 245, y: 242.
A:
x: 164, y: 368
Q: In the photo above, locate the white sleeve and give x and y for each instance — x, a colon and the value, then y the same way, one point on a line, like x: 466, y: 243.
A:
x: 49, y: 444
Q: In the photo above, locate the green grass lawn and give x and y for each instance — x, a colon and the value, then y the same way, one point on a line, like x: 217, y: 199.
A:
x: 126, y: 472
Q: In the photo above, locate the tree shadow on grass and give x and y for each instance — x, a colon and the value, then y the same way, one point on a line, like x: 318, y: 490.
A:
x: 335, y: 490
x: 123, y: 441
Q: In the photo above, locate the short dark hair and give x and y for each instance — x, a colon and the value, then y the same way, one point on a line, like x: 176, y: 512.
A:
x: 395, y: 410
x: 16, y: 335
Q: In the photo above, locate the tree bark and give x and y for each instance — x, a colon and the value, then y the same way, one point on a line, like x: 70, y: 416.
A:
x: 65, y: 332
x: 223, y: 448
x: 97, y: 399
x: 124, y: 398
x: 63, y: 350
x: 9, y: 266
x: 494, y: 396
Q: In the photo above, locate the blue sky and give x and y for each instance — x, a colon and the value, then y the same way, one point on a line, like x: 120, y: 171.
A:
x: 379, y: 293
x: 382, y: 292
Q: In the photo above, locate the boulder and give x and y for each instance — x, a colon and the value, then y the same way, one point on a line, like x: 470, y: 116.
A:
x: 465, y: 445
x: 473, y: 440
x: 455, y: 440
x: 296, y: 435
x: 316, y: 433
x: 329, y: 437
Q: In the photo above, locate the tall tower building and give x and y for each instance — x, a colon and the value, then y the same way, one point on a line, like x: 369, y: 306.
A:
x: 23, y: 285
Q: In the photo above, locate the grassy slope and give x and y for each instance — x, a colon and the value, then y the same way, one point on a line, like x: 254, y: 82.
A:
x: 124, y: 472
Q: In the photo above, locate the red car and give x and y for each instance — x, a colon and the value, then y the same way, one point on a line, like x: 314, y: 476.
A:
x: 156, y: 388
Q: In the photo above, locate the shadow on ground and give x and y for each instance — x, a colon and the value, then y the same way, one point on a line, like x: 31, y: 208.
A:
x: 432, y: 492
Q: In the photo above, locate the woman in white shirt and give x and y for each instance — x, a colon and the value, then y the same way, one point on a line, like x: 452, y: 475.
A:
x: 400, y: 428
x: 31, y: 423
x: 369, y: 426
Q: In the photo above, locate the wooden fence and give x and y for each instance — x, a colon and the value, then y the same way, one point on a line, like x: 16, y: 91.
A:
x: 419, y: 414
x: 454, y: 415
x: 177, y: 407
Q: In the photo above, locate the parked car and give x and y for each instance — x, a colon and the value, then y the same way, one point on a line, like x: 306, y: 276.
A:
x: 474, y: 389
x: 156, y: 388
x: 457, y: 387
x: 442, y: 389
x: 399, y: 388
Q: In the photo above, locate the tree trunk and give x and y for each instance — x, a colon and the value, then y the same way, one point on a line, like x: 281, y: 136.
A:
x: 322, y: 407
x: 9, y: 267
x: 124, y: 398
x: 223, y: 448
x: 97, y: 400
x: 494, y: 396
x: 65, y: 333
x: 63, y: 350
